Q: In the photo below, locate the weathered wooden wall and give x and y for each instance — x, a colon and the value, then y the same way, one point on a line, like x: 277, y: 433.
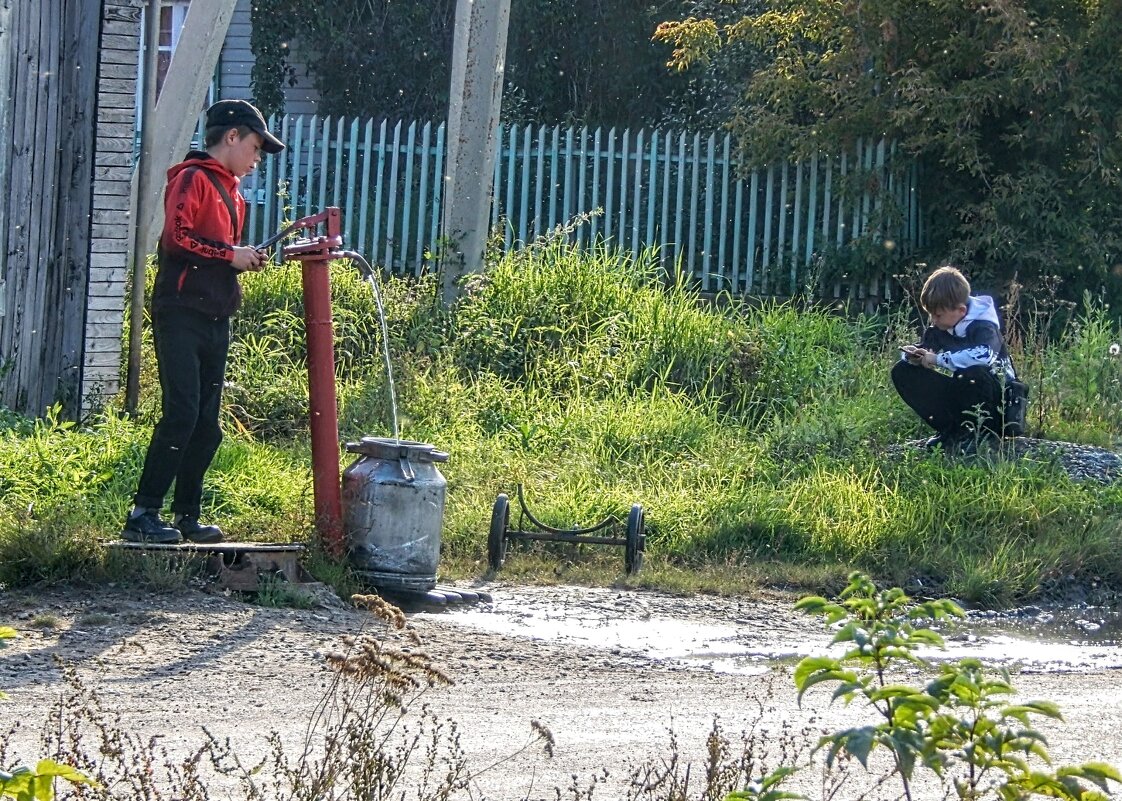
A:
x: 49, y: 101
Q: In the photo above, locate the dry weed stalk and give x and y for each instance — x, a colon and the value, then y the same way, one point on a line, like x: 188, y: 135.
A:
x: 358, y: 743
x: 767, y: 742
x: 380, y: 608
x: 370, y: 661
x: 368, y: 738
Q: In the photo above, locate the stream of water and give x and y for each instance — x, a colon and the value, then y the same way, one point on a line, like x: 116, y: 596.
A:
x: 373, y: 281
x: 371, y: 278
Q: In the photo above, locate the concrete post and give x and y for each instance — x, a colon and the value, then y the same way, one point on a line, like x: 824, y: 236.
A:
x: 478, y: 61
x: 138, y: 253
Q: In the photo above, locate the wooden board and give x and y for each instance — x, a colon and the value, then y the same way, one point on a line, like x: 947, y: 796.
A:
x: 215, y: 547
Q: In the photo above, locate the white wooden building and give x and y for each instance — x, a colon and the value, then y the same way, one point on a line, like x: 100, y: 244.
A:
x: 236, y: 62
x: 232, y: 79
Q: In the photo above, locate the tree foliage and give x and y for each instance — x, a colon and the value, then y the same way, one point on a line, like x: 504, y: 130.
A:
x: 383, y: 58
x: 585, y: 62
x: 1012, y: 106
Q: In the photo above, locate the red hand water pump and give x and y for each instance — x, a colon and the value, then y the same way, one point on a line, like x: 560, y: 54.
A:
x: 315, y: 254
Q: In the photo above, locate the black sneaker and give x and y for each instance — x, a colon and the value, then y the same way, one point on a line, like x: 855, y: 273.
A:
x: 191, y: 529
x: 148, y: 527
x: 944, y: 439
x: 937, y: 441
x: 971, y: 444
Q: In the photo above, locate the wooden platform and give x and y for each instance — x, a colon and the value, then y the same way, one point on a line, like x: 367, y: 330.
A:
x: 209, y: 547
x: 240, y: 567
x: 237, y: 566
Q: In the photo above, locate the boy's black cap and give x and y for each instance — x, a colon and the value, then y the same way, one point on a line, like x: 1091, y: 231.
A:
x: 231, y: 113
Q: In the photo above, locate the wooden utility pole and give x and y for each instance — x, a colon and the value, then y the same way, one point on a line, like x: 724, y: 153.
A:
x: 5, y: 137
x: 478, y: 61
x: 167, y: 124
x: 138, y: 255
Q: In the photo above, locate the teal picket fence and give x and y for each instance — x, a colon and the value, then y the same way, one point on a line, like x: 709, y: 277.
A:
x: 755, y: 233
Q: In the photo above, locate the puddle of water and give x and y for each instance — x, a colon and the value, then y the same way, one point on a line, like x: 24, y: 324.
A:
x: 657, y: 639
x: 1091, y: 624
x: 1043, y: 642
x: 1077, y: 638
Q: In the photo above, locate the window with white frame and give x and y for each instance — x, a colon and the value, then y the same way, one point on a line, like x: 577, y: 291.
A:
x: 171, y: 25
x: 172, y: 15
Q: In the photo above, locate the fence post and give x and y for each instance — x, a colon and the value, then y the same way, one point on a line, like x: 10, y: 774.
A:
x: 594, y: 203
x: 724, y: 214
x: 391, y: 213
x: 406, y: 206
x: 422, y: 197
x: 524, y: 205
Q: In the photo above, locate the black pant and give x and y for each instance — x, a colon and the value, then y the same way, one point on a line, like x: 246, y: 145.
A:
x: 191, y: 353
x: 951, y: 403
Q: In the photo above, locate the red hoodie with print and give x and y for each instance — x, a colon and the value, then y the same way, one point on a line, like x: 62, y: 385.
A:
x: 196, y: 247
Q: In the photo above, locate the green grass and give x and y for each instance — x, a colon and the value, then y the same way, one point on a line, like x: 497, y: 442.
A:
x: 756, y: 437
x: 45, y: 620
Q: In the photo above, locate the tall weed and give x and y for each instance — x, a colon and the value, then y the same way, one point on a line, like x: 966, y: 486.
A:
x: 587, y: 324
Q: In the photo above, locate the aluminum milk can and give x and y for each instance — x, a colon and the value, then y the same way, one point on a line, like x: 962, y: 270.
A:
x: 393, y: 511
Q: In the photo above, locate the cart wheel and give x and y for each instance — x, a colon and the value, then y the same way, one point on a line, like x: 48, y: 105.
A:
x: 636, y: 540
x: 496, y: 540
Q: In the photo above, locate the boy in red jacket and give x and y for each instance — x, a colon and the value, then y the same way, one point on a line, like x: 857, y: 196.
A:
x: 199, y: 261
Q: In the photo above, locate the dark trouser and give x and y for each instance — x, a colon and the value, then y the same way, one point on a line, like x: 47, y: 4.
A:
x: 951, y: 403
x: 191, y: 353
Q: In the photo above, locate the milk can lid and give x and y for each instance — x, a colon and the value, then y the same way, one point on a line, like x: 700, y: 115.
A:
x: 390, y: 448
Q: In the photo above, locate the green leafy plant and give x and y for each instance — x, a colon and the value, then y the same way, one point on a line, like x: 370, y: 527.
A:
x: 37, y: 784
x: 766, y: 788
x: 961, y: 725
x: 276, y: 592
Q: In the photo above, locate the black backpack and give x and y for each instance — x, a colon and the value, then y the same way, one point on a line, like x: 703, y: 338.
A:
x: 1016, y: 407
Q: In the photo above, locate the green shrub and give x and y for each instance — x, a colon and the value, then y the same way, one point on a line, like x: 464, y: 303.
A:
x: 588, y: 324
x: 964, y: 725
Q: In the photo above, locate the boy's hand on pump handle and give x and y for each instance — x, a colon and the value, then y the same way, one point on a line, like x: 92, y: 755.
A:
x: 917, y: 355
x: 248, y: 259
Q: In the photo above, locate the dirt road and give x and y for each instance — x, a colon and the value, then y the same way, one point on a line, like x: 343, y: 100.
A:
x: 610, y: 673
